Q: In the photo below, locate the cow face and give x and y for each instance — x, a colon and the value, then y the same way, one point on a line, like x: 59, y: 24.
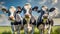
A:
x: 27, y: 7
x: 12, y: 11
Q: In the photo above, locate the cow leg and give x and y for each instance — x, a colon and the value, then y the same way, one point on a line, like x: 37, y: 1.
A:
x: 12, y: 27
x: 24, y: 25
x: 32, y: 32
x: 40, y: 27
x: 19, y: 27
x: 46, y: 29
x: 41, y: 31
x: 49, y: 29
x: 25, y: 29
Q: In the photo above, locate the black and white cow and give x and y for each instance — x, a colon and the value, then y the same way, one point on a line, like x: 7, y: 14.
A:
x: 13, y: 17
x: 54, y: 12
x: 28, y: 20
x: 43, y: 22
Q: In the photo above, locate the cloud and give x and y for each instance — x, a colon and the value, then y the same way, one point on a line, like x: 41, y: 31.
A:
x: 52, y: 1
x: 42, y: 1
x: 2, y: 6
x: 2, y: 2
x: 58, y: 16
x: 29, y: 0
x: 4, y: 20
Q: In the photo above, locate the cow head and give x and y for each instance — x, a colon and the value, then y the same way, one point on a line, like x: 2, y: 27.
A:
x: 12, y: 11
x: 27, y: 7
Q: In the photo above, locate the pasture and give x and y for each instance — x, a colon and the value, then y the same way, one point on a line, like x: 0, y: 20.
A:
x: 7, y: 30
x: 55, y: 29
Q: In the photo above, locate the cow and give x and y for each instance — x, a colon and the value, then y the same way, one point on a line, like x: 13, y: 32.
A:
x: 12, y: 16
x: 43, y: 21
x: 28, y: 20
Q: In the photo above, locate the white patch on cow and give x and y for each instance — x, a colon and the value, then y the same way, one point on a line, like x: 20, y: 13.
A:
x: 27, y: 7
x: 12, y: 11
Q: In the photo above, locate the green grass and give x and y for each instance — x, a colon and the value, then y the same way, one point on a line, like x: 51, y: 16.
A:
x: 7, y: 30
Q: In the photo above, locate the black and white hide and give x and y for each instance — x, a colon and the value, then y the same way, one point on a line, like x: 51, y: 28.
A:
x: 28, y: 27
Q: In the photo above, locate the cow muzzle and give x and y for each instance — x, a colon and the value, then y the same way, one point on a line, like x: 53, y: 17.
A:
x: 27, y: 16
x: 11, y: 18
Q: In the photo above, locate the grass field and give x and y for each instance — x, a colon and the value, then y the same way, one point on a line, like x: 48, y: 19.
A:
x: 7, y: 30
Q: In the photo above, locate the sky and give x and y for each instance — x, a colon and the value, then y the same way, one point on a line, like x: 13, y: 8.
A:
x: 7, y: 3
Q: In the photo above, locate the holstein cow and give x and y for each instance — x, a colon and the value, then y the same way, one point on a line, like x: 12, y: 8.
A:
x: 43, y: 19
x: 12, y: 17
x: 54, y: 12
x: 11, y: 12
x: 28, y: 20
x: 40, y: 23
x: 46, y: 18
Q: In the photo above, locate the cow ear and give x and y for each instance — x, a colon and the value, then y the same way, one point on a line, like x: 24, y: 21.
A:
x: 4, y: 10
x: 52, y: 9
x: 35, y: 8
